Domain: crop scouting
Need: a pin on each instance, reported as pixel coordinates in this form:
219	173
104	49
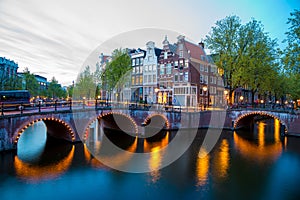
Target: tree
55	90
223	41
291	57
13	83
258	68
113	75
31	83
85	85
245	53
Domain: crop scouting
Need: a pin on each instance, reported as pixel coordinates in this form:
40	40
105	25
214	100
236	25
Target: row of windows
137	70
181	77
150	79
150	68
137	80
185	90
137	61
205	68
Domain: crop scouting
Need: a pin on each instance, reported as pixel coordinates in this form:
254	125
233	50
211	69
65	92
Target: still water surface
256	164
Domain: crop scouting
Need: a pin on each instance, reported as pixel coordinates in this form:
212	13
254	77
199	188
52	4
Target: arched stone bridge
72	125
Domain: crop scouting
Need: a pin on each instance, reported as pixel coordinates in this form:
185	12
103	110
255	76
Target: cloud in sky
55	37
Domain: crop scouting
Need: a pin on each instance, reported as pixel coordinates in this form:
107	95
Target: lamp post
205	89
241	100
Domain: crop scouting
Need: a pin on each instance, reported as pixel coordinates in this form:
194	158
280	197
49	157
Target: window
162	69
186	63
194	90
169	68
149	78
145	79
141	61
201	78
133	70
154	67
201	68
180	54
181	63
141	80
186	76
136	80
176	77
180	77
205	68
176	64
133	62
137	62
150	68
165	55
205	79
150	58
154	78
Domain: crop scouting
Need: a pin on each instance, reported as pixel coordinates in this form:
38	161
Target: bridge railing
69	106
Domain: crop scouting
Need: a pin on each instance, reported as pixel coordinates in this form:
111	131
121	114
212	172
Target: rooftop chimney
201	44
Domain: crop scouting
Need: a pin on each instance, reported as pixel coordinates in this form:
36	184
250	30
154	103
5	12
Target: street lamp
241	99
205	89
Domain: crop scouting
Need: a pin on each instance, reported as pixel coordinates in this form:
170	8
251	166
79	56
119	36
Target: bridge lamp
241	98
98	96
205	90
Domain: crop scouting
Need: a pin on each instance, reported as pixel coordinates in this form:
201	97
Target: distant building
168	61
137	59
150	72
8	70
42	81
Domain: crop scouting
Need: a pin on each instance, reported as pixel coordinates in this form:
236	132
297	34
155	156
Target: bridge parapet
76	122
290	122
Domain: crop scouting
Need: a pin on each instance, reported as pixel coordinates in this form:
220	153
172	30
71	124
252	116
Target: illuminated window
165	97
159	98
186	63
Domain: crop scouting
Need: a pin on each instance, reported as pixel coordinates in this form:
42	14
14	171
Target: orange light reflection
32	173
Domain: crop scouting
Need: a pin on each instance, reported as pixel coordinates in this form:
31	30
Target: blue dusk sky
54	38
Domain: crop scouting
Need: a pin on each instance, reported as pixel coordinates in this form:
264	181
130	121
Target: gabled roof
157	51
196	51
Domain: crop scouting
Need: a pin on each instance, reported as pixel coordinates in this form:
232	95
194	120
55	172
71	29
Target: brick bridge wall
73	125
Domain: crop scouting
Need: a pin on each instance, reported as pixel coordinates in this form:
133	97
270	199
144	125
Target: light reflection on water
241	164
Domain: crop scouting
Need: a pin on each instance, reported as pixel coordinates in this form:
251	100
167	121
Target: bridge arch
106	116
49	121
242	119
147	121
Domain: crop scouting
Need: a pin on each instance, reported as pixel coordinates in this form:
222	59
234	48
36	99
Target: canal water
255	164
